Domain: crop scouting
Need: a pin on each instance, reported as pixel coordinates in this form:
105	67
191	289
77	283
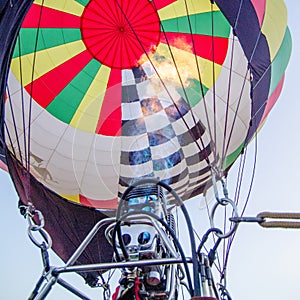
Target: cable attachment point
279	220
258	220
224	293
39	216
209	289
45	256
225	202
36	223
205	237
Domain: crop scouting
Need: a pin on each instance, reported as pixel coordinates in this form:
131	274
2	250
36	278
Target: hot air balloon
107	103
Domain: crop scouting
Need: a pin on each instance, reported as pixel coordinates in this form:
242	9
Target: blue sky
264	263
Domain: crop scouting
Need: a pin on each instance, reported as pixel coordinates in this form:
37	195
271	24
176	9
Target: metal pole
87	240
46	288
72	289
112	265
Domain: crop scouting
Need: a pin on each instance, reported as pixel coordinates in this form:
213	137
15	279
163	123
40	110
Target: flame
170	65
181	43
168	69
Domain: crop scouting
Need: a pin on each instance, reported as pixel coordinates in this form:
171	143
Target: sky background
264	263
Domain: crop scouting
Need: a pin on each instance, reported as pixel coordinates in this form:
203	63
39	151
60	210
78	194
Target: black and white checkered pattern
156	141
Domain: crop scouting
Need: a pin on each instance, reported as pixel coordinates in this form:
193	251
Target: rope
281	222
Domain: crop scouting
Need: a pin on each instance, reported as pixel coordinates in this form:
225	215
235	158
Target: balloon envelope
105	92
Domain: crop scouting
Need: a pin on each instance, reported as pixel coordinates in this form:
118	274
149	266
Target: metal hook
224	202
32	225
47	243
205	237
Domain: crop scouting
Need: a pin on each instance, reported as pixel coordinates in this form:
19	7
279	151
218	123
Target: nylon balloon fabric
113	91
11	17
